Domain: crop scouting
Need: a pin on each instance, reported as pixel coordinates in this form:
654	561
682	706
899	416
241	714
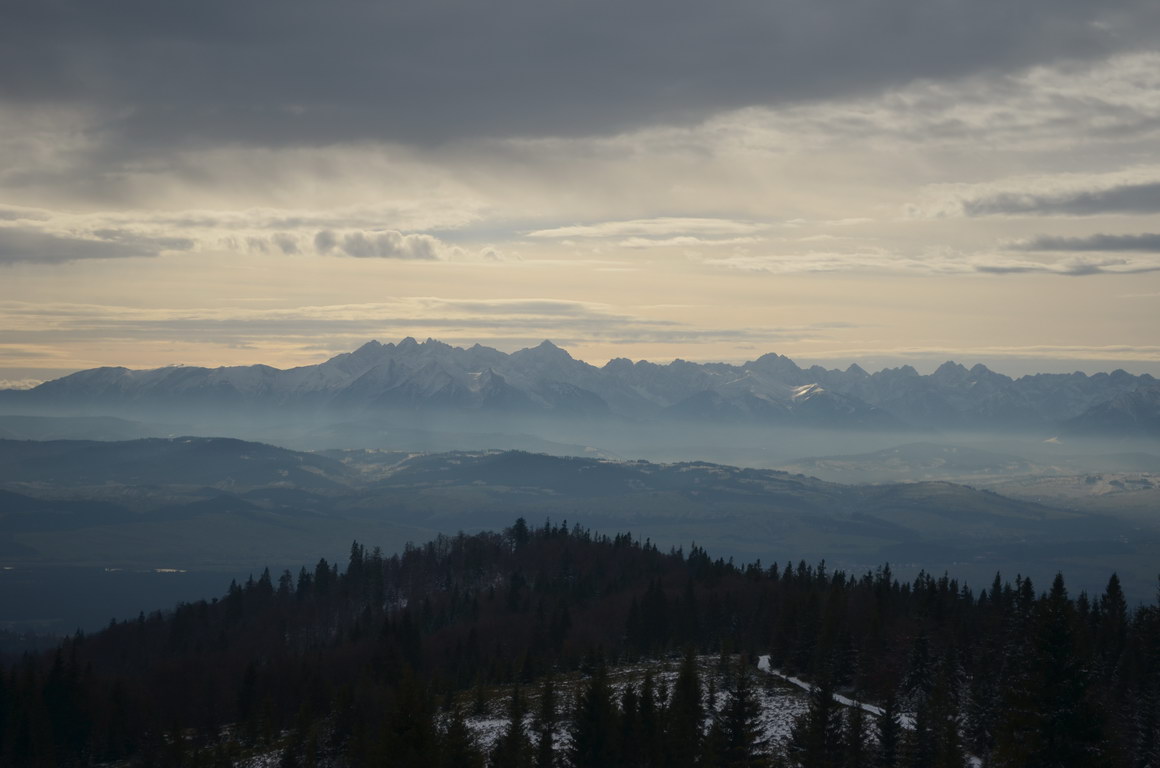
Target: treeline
353	665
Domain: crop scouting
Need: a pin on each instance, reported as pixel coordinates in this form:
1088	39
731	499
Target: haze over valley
405	441
523	384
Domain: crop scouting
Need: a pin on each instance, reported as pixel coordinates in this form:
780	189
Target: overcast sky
879	181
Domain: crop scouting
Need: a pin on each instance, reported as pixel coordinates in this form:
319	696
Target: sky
838	181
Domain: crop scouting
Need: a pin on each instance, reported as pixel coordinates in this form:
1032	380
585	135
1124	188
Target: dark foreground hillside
373	663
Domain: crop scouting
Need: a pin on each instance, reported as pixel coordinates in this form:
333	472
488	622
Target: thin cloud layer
493	321
21	244
931	264
658	227
1070	268
1145	243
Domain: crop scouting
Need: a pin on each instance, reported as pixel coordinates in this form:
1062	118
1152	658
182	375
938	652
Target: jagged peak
857	370
949	367
980	371
774	361
370	350
545	349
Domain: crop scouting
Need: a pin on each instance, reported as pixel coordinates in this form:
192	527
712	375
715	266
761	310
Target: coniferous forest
375	662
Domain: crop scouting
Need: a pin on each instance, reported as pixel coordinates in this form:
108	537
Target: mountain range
546	382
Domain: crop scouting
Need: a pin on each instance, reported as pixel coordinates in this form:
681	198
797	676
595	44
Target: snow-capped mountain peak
545	378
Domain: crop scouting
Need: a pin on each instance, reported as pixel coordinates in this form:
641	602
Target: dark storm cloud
1146	243
19	244
1128	198
304	72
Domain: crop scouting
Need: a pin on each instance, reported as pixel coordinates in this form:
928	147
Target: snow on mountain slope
545	379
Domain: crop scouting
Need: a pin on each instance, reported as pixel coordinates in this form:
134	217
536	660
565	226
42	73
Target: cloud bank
21	244
309	73
379	245
1145	243
1129	199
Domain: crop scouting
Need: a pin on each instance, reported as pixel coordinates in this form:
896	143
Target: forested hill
351	666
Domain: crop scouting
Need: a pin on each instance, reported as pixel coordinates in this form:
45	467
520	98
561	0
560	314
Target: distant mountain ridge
546	381
198	503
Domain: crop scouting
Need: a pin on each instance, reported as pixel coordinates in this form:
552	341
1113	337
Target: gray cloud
390	245
1145	243
302	72
387	244
1075	268
286	243
13	213
1128	198
20	244
325	241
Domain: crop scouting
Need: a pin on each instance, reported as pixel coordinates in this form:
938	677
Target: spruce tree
741	721
594	724
816	738
918	743
651	727
686	714
889	734
1047	717
855	747
713	745
630	745
1070	729
546	719
1113	629
945	718
459	749
410	735
513	750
